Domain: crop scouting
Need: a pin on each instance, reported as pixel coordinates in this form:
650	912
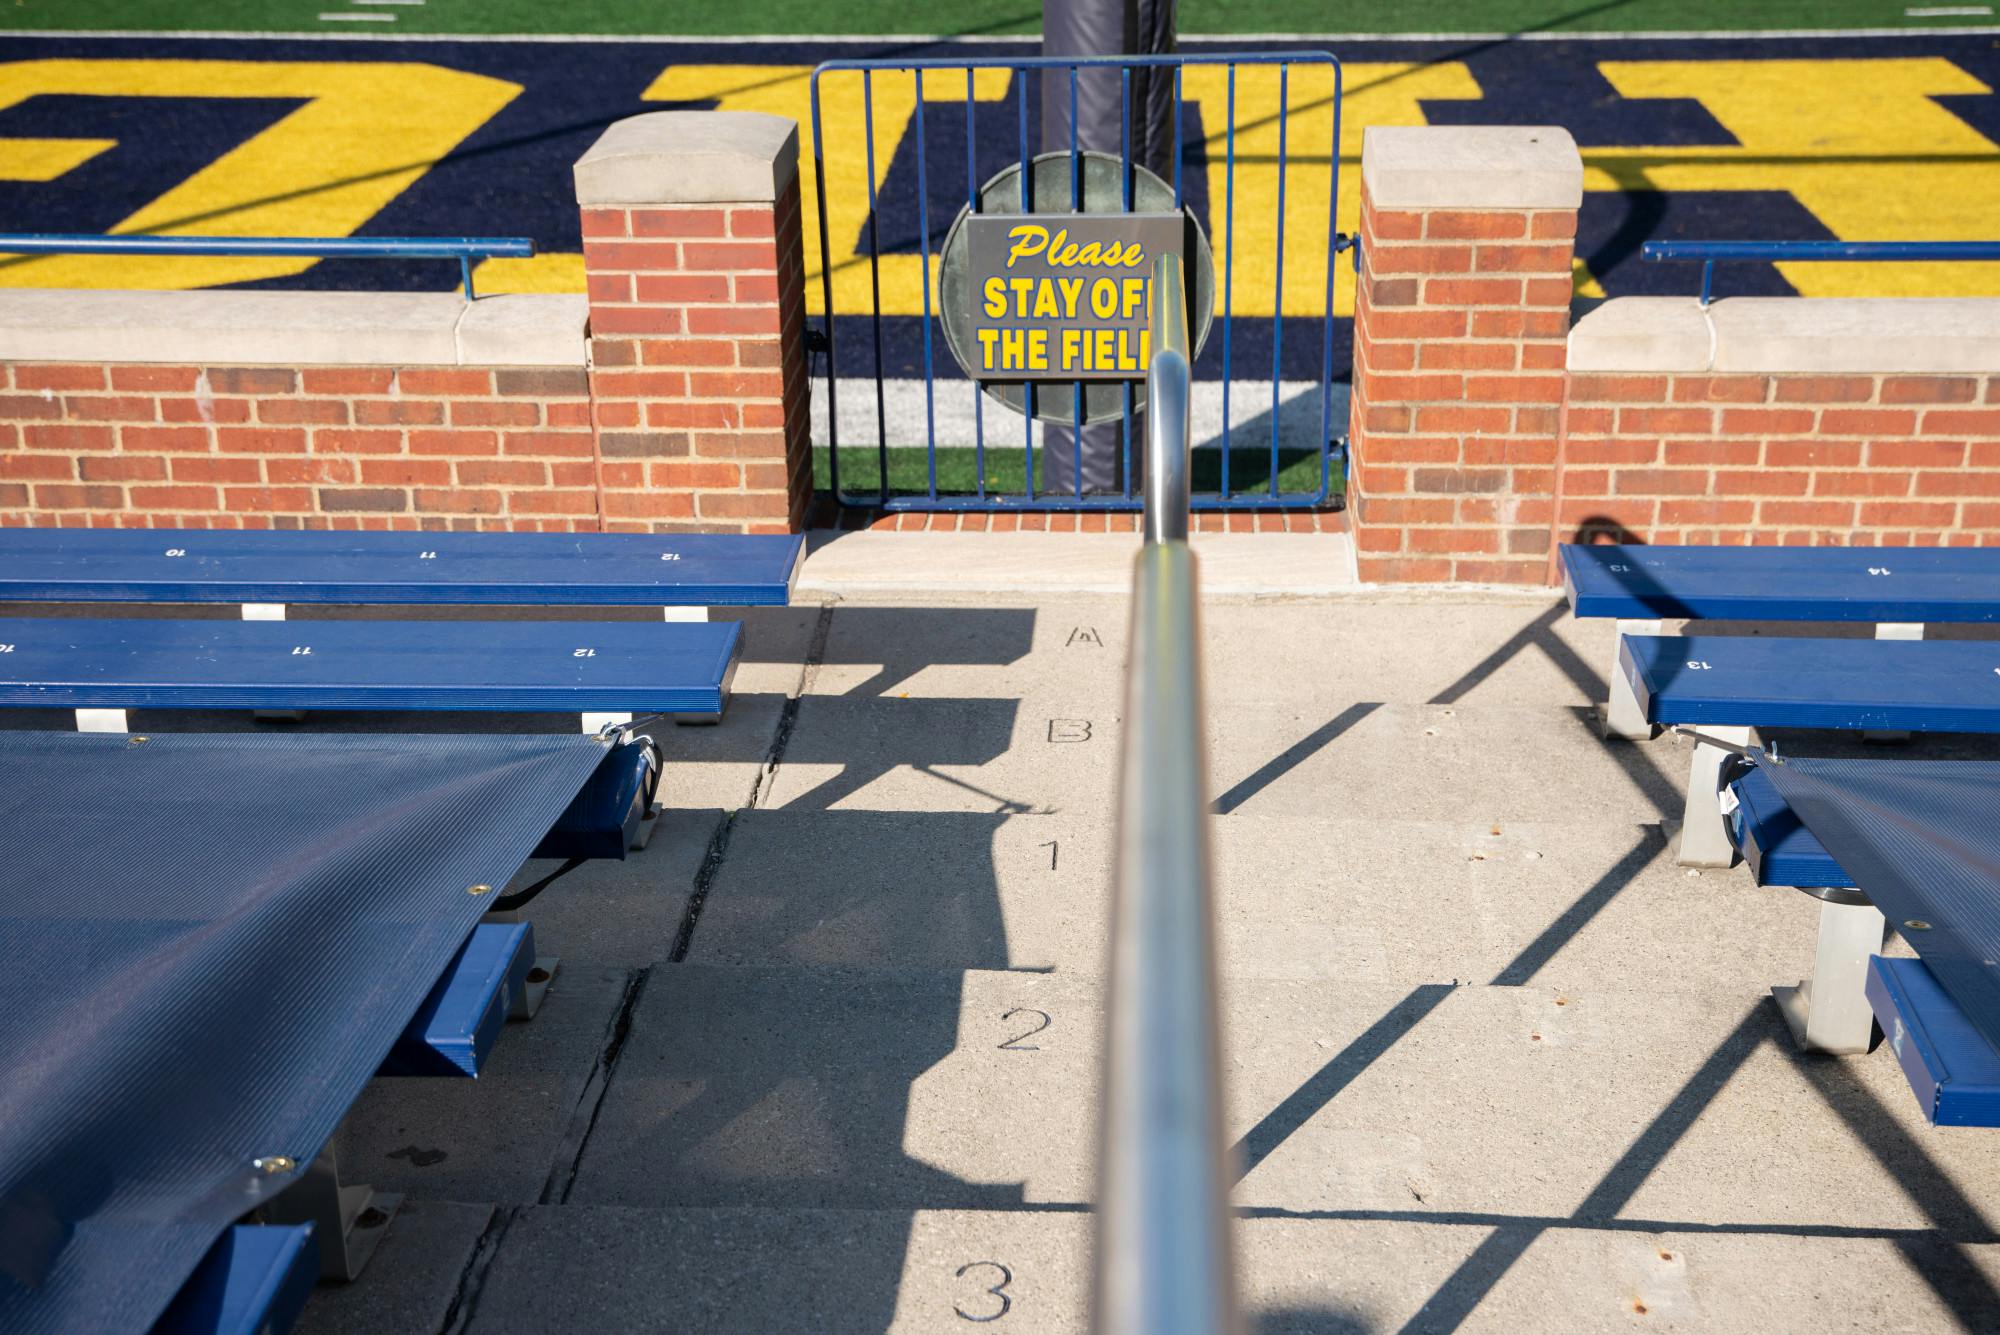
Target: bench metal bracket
1624	716
348	1221
1829	1011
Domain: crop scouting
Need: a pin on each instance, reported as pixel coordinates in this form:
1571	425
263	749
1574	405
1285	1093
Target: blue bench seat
1897	589
630	667
1953	1070
1775	843
292	566
255	1280
1871	584
1755	681
455	1029
1729	685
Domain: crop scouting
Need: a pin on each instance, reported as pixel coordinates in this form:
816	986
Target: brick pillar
1460	321
691	244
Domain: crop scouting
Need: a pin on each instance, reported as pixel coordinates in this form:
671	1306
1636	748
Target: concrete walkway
824	1058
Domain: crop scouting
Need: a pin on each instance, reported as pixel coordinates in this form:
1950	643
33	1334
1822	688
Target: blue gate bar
1709	252
1126	498
464	249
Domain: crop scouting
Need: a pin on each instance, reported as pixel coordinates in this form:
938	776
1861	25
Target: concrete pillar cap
1471	167
690	157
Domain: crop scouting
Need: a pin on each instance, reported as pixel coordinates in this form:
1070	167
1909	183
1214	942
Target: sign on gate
1063	296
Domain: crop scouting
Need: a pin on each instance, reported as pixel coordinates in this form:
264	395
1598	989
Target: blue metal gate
984	476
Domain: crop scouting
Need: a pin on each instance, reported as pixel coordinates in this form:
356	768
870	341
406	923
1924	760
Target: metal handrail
464	249
1709	252
1163	1243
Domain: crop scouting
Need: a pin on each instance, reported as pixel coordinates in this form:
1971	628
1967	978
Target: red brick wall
313	447
1459	327
1806	459
697	316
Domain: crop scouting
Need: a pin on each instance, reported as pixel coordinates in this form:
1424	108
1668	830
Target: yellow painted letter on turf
785	90
1861	143
1372	94
367	131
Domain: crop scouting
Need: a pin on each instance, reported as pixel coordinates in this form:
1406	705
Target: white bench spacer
101	720
263	611
684	613
596	723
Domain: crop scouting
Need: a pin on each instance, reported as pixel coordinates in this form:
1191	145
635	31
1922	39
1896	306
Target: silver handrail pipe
1163	1235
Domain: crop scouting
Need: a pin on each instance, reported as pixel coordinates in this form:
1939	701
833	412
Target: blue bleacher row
257	1276
1725	688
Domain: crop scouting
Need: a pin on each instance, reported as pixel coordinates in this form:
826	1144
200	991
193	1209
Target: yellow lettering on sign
1374	94
785	90
1028	240
366	132
1860	143
1072	288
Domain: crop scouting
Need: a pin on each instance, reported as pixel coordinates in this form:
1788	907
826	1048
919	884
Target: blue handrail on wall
464	249
1708	252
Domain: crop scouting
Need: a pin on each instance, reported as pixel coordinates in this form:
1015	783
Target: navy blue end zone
555	666
1927	584
262	566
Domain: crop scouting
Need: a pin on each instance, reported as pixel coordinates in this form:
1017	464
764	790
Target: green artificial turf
958	472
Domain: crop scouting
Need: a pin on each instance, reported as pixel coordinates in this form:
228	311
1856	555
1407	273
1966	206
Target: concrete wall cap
1471	167
1864	334
1791	336
524	329
290	328
1642	334
690	157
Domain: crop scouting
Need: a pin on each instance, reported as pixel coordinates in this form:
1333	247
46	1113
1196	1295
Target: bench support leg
347	1221
524	1004
1704	831
101	720
1829	1011
1624	716
1893	630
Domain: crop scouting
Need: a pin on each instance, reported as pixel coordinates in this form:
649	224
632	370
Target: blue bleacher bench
1878	584
1897	589
128	663
1952	1069
455	1029
1729	685
1775	843
1755	681
293	566
255	1280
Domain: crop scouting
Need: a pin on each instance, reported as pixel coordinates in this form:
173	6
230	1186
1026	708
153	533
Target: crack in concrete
465	1297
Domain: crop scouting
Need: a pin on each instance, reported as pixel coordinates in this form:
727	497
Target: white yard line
1950	12
952	405
357	18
